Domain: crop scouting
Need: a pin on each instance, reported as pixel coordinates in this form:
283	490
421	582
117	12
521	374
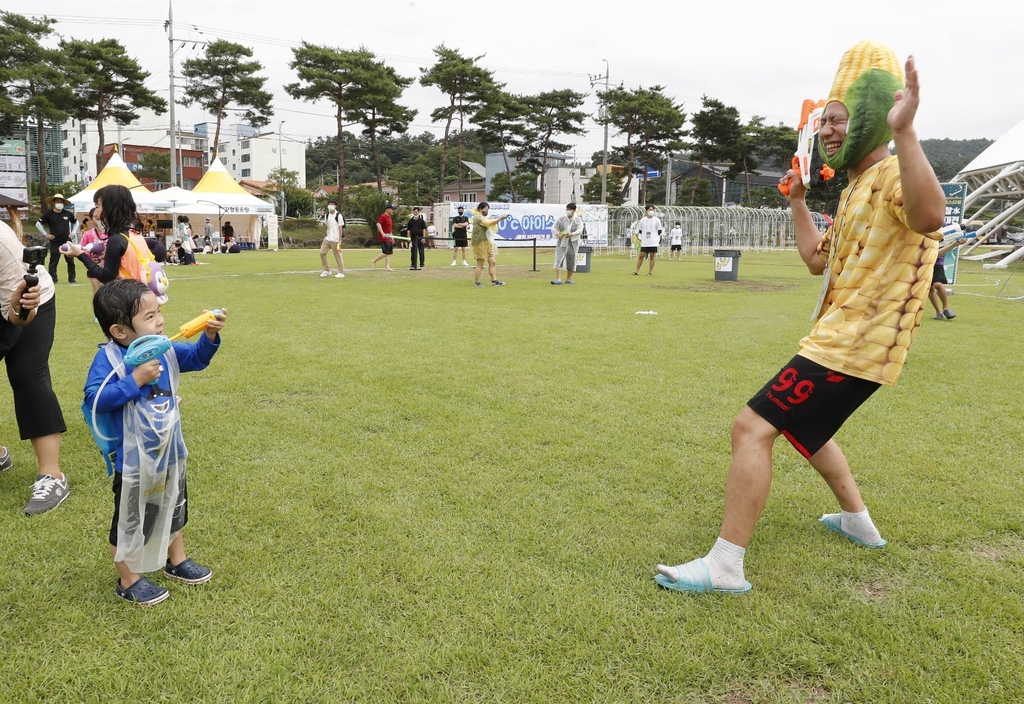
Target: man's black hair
118	208
482	205
332	201
118	302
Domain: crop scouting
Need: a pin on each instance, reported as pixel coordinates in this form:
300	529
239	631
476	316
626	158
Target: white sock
724	562
859	525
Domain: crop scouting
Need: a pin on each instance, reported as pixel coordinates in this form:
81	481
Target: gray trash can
727	264
583	259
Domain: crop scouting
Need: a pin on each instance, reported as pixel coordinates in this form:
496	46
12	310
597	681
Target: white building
81	141
254	157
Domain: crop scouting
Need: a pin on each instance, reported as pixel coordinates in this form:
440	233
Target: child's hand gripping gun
150	347
807	162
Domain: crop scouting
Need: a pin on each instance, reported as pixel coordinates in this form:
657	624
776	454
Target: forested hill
948	156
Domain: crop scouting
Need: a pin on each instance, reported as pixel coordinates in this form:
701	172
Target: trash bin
583	259
727	264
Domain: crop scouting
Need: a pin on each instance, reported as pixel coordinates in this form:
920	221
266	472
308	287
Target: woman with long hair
115	208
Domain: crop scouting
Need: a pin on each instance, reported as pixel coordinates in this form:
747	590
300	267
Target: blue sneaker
478	284
556	282
188	572
143	592
571	282
497	283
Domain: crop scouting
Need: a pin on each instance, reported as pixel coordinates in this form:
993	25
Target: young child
133	413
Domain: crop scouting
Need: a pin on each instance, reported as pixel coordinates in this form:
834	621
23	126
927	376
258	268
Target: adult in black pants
25	348
417	228
60	221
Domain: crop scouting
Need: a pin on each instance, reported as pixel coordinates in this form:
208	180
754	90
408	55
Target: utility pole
175	167
604	154
280	170
668	181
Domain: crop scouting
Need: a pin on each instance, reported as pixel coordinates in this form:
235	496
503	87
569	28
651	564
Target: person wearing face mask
335	224
567	229
62	226
649	230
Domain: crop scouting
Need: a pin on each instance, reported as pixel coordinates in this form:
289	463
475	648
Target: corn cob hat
868	77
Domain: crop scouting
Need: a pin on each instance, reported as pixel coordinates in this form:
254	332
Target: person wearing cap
567	229
417	228
460	233
387	241
484	248
62	225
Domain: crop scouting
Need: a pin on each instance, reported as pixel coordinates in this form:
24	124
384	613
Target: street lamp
280	170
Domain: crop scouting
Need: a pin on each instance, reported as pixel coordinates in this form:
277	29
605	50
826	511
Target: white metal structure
997	174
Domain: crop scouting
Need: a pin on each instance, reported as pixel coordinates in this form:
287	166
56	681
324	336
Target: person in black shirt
417	228
62	225
229	231
460	233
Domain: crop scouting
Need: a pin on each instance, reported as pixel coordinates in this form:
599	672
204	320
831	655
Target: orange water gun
807	161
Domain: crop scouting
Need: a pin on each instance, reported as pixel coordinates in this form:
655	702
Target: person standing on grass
568	230
676	242
417	228
62	225
884	233
133	413
386	239
25	345
939	281
335	224
485	230
460	235
649	230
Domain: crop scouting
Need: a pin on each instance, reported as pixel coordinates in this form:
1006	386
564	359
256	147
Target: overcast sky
762	57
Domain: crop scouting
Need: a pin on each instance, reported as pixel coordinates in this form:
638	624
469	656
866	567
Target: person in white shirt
567	230
335	224
676	238
649	230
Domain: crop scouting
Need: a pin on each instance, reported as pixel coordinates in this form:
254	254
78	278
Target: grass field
413	490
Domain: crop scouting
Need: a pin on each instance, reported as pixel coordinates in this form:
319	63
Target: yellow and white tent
116	173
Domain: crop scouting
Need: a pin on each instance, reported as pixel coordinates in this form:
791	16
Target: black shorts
939	274
808	403
677	248
464	242
387	247
649	250
178	520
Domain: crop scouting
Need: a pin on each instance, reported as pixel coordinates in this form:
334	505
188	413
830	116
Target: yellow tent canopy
218	180
115	173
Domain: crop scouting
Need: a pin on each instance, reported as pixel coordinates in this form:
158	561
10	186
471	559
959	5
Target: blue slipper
142	592
833	521
695	577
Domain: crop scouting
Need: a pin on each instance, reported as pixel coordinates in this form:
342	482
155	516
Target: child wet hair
118	302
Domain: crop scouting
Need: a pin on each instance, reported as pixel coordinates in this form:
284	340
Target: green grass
413	490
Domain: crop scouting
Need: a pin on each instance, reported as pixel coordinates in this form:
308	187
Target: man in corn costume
877	260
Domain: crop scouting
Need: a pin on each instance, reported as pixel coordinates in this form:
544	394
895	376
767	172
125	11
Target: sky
761	57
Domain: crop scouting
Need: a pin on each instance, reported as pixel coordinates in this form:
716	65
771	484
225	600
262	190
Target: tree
700	190
376	108
283	180
222	78
156	166
109	84
716	128
502	127
334	74
550	115
776	146
616	195
517	187
745	153
34	79
651	123
466	85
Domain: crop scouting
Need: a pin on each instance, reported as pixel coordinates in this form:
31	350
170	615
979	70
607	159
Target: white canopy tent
116	173
997	174
219	198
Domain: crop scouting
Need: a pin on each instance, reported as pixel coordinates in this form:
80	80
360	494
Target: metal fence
705	229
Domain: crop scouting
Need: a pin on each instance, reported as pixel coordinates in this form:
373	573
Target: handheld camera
34	257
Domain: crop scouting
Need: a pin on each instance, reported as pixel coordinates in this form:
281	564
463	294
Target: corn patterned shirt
881	272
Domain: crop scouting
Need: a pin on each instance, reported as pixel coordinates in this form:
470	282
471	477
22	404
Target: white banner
13	179
528	220
15	193
272	231
12	163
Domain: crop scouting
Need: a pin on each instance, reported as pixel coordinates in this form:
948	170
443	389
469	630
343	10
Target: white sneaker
453	262
324	274
465	263
339	275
